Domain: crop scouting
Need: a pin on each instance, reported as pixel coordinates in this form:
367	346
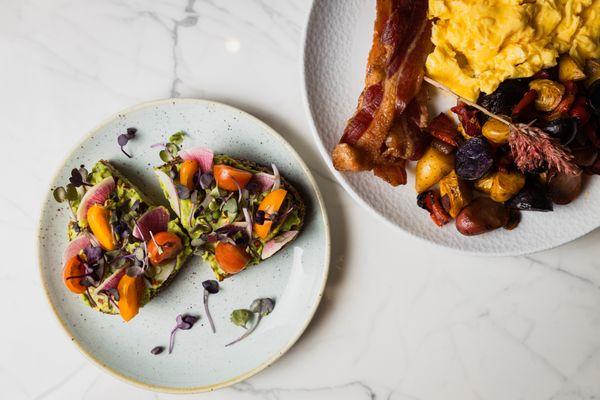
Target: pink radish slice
170	191
264	180
154	220
112	281
75	246
275	244
203	155
97	194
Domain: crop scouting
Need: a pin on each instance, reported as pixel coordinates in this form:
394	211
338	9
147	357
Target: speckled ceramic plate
337	41
295	277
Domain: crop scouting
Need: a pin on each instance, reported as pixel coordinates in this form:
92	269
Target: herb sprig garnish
124	138
210	287
69	193
259	307
172	147
184	322
531	147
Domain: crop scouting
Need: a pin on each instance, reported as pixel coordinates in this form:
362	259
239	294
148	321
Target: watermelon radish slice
264	180
75	246
275	244
154	220
171	192
112	281
97	194
202	155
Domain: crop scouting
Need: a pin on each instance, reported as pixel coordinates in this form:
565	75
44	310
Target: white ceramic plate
337	41
295	277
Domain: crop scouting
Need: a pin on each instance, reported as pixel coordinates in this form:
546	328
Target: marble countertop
400	319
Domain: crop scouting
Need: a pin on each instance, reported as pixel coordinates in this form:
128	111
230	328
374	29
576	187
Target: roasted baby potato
505	185
432	167
480	216
495	131
549	94
456	192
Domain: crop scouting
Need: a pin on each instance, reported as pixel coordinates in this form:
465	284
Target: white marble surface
400	319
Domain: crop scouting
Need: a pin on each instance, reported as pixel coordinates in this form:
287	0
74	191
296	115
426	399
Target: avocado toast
123	250
237	212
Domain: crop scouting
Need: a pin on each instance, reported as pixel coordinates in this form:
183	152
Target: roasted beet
481	215
505	97
531	198
473	159
563	129
563	188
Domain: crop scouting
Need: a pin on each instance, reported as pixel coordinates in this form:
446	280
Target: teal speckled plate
294	277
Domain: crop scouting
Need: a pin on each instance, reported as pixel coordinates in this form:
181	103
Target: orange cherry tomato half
99	220
74	268
270	204
187	171
229	178
131	290
231	258
165	246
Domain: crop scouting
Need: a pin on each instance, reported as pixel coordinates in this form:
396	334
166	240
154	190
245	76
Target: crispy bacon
468	119
443	128
385	127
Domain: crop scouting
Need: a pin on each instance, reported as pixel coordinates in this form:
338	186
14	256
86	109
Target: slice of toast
133	222
212	214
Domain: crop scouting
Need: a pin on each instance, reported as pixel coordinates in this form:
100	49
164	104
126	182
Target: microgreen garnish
69	193
182	191
241	317
157	350
124	138
210	287
78	178
261	307
172	147
205	180
184	322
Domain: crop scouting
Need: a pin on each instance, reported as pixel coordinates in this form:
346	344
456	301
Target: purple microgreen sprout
89	297
124	138
210	287
182	191
248	218
77	179
261	307
184	322
205	180
157	350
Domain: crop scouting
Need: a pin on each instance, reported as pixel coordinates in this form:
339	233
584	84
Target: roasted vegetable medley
525	147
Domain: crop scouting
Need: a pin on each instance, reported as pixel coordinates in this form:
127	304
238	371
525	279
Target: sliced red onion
202	155
75	246
248	221
97	194
277	181
170	189
154	220
275	244
112	282
265	181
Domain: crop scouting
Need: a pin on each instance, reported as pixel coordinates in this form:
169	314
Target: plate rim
358	199
284	349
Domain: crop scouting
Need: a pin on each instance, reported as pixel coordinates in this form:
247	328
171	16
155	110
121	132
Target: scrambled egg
480	43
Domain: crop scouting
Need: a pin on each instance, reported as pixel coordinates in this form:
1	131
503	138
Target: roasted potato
432	167
457	192
506	184
480	216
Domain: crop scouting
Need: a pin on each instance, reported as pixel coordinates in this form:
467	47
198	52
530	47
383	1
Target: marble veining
400	319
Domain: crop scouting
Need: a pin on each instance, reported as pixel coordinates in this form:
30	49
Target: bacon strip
401	43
